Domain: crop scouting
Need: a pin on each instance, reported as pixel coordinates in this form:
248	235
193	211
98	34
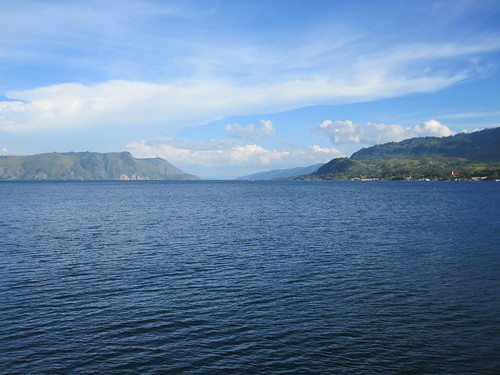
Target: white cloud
73	105
208	155
255	155
4	150
252	132
344	132
432	128
315	149
340	131
381	133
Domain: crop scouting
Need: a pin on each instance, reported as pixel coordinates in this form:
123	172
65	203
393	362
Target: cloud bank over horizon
217	153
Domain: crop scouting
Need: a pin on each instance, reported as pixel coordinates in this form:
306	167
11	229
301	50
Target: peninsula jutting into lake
465	156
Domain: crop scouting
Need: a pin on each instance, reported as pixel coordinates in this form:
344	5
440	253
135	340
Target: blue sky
224	88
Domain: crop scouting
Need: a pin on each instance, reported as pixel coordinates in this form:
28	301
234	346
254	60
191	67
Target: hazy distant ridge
281	173
88	166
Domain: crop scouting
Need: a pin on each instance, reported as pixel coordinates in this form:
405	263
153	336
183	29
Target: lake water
298	277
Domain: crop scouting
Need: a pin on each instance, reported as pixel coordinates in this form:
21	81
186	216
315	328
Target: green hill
88	166
463	156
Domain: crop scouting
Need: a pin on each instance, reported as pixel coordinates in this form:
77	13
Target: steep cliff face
88	166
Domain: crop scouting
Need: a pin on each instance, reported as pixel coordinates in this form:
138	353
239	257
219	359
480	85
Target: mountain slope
88	166
483	145
463	156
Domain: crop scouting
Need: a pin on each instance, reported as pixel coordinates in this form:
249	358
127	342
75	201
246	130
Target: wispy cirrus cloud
213	72
225	89
463	115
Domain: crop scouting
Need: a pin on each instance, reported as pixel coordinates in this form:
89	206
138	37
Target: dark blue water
249	278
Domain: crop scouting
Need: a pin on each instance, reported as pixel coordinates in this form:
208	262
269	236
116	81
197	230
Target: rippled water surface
249	278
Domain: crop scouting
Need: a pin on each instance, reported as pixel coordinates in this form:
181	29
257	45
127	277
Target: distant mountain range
281	173
463	156
88	166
